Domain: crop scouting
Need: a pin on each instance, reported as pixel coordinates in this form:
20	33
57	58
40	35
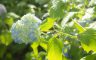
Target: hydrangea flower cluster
26	30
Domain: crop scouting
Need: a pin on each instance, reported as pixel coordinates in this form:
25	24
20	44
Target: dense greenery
48	30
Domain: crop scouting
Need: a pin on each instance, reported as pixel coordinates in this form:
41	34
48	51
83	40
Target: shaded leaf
57	9
89	57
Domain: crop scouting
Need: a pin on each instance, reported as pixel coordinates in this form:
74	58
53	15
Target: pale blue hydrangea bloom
26	30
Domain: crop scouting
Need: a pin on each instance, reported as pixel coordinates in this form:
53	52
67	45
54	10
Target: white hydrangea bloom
26	30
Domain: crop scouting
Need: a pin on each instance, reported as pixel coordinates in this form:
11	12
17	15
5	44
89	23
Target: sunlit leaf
66	18
13	15
35	48
47	24
5	38
79	27
88	40
44	45
9	21
55	49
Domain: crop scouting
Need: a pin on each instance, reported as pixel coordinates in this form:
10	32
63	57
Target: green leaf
5	38
41	2
35	48
43	45
66	18
9	21
42	55
88	40
47	24
29	56
55	49
2	50
75	51
69	30
13	15
89	57
57	9
79	27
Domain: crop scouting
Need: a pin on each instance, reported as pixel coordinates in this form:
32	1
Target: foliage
48	30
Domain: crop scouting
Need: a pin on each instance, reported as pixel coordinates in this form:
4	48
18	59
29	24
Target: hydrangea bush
26	30
63	36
